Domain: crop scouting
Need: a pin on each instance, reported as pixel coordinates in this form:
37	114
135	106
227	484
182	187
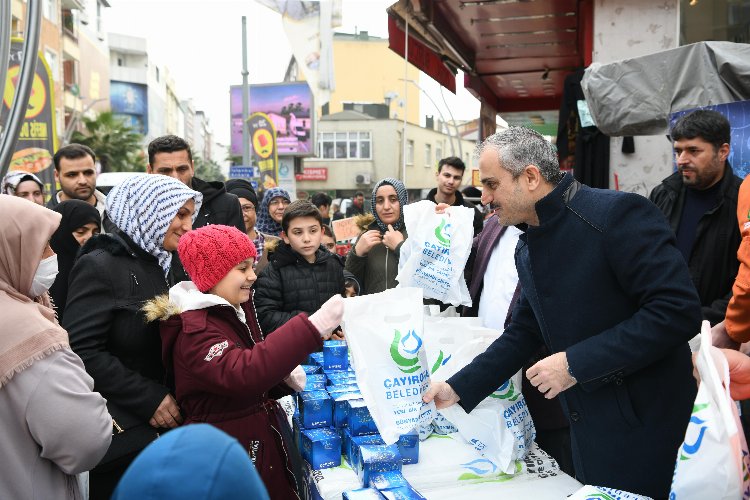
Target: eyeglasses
248	208
279	201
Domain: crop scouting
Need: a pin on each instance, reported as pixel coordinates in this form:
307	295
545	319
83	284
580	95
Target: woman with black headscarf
80	221
373	259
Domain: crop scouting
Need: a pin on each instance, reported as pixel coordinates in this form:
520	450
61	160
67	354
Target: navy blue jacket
603	280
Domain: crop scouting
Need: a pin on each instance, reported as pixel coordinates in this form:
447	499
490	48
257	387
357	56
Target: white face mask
44	277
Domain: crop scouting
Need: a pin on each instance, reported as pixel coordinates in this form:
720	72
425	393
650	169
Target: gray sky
201	44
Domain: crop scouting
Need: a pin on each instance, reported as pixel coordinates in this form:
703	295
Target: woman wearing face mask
24	185
54	426
80	221
112	278
373	259
275	201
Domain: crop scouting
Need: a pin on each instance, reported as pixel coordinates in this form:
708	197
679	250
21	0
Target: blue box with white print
315	409
321	448
359	420
374	458
335	355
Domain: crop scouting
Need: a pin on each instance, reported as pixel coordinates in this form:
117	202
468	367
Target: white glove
297	379
328	316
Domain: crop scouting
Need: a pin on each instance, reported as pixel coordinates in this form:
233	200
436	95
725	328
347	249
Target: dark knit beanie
210	252
242	189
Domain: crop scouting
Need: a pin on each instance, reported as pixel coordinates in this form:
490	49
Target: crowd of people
173	301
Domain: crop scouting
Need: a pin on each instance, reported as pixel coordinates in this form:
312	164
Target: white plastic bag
385	336
434	255
500	427
712	462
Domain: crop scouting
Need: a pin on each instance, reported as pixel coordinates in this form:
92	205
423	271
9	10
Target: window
409	152
49	10
156	69
344	145
438	152
120	61
428	155
53	62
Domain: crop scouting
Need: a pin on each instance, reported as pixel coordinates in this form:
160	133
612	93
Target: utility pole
25	80
245	99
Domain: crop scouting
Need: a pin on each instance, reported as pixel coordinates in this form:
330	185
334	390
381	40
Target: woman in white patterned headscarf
112	278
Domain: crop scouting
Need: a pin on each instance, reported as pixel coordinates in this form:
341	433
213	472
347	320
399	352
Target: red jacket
223	372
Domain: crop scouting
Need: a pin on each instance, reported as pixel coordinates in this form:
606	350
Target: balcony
127	74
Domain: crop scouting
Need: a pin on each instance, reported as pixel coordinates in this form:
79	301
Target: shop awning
515	54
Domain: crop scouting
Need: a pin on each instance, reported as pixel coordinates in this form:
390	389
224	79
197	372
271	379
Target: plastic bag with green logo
500	427
434	255
384	332
712	462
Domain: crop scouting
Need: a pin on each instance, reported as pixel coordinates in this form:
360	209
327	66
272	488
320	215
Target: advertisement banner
130	102
37	138
263	140
288	105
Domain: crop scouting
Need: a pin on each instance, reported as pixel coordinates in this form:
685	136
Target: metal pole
245	99
26	79
4	42
406	98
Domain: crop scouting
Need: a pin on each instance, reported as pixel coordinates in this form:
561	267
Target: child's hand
338	334
297	379
328	316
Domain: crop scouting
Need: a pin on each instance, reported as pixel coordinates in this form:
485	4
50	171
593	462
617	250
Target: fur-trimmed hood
365	222
182	297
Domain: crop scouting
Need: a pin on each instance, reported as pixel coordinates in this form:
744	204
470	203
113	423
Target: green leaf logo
506	391
410	344
442	234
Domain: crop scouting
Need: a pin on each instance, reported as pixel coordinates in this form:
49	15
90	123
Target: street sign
240	172
254	184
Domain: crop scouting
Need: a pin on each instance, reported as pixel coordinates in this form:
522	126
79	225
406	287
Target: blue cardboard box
315	382
311	369
408	446
392	479
362	494
335	355
374	458
296	430
315	409
321	448
355	442
315	359
341	407
359	420
401	493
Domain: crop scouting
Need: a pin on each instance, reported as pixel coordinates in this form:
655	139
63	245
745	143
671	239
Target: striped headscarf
264	223
143	207
403	200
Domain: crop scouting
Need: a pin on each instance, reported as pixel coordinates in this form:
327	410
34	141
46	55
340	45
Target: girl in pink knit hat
226	372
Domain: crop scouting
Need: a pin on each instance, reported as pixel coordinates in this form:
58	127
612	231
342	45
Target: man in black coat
700	203
449	175
615	310
170	155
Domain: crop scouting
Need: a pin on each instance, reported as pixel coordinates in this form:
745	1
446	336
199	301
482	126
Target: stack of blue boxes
332	419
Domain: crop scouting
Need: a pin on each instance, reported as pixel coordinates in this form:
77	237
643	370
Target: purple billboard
288	105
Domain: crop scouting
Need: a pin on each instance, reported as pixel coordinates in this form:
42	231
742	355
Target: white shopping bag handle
708	361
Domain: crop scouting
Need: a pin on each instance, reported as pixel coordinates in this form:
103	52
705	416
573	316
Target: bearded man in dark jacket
616	312
700	203
170	155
